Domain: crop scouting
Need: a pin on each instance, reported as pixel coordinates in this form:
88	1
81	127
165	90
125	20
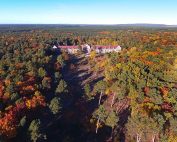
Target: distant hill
30	27
146	25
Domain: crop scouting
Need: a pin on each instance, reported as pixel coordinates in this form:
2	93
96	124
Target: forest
50	95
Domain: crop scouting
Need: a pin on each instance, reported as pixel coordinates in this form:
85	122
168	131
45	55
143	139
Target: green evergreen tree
35	131
55	105
62	87
42	72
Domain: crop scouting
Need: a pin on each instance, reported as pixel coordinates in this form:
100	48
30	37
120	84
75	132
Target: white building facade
86	48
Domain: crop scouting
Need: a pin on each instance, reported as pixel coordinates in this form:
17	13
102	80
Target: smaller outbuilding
86	48
107	49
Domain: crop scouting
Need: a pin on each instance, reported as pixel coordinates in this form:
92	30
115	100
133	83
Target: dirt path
68	124
75	117
82	72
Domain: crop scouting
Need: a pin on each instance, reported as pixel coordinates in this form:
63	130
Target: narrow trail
73	114
75	117
77	78
82	73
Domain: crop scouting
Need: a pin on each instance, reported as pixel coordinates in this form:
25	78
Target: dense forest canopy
49	95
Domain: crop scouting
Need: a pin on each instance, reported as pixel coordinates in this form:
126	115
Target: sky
88	11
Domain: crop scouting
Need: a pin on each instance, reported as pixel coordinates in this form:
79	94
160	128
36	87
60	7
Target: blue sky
88	11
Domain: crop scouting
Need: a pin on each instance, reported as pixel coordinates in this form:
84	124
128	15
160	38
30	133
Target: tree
46	83
41	72
142	127
35	131
23	121
55	105
14	97
100	115
134	128
173	130
116	92
87	91
10	88
112	120
57	75
92	55
100	87
62	87
61	61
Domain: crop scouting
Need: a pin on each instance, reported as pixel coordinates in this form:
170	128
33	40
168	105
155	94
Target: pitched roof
103	46
64	47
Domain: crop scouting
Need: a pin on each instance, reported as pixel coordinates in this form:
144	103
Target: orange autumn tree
10	119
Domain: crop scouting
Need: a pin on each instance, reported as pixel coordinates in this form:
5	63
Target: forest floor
82	71
78	112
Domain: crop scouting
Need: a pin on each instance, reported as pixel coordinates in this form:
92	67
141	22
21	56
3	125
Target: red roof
103	46
97	46
68	46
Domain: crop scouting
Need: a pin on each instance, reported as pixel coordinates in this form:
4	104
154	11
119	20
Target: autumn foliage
10	119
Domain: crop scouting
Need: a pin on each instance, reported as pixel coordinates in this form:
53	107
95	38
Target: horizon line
87	24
